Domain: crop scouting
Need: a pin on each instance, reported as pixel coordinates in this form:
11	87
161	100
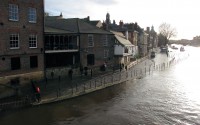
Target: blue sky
180	14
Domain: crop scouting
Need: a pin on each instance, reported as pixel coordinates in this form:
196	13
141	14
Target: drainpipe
44	56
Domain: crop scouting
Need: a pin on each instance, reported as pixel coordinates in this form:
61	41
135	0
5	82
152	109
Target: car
153	54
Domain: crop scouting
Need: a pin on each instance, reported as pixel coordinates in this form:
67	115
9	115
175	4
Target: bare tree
167	31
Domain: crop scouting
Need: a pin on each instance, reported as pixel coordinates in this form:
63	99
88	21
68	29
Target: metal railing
107	80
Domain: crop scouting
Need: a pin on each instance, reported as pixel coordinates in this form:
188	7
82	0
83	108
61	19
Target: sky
183	15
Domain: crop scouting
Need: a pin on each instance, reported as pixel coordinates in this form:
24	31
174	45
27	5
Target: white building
123	49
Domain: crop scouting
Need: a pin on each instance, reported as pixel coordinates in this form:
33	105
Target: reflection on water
165	97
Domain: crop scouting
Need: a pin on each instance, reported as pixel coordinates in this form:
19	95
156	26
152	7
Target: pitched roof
94	22
73	25
123	41
51	30
118	33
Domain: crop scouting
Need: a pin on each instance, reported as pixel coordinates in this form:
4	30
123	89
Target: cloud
105	2
69	8
77	8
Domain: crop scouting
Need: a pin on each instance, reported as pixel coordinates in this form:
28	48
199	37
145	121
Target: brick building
73	43
21	40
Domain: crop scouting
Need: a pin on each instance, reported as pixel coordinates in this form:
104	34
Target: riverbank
60	89
57	89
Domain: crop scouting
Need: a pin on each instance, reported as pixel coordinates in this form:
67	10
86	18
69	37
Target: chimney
114	22
121	23
88	18
60	17
135	26
148	29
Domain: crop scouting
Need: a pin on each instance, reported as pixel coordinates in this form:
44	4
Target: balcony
59	44
61	48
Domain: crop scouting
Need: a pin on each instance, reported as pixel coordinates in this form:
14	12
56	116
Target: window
14	41
32	41
126	50
15	63
90	41
13	12
106	53
32	16
90	59
33	61
105	40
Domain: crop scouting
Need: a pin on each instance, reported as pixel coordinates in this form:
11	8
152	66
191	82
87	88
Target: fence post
120	76
95	84
136	72
149	70
104	81
76	87
131	73
112	78
72	90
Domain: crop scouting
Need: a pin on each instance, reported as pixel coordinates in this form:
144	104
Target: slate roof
93	22
72	25
51	30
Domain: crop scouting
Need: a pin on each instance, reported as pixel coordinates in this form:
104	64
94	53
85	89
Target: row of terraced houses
33	45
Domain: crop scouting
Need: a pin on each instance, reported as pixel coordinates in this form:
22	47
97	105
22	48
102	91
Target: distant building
142	43
123	49
128	30
21	40
152	39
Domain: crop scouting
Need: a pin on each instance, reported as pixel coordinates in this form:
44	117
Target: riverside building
21	40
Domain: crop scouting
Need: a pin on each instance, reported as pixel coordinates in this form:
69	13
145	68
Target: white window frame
13	12
90	40
32	15
105	40
14	41
32	41
106	53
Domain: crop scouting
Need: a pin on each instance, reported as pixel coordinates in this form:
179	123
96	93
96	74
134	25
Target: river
167	97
